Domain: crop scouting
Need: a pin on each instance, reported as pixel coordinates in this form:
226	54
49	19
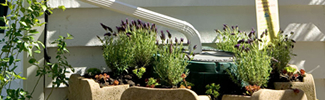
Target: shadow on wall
317	2
305	32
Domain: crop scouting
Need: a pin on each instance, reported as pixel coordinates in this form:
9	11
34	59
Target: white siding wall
305	17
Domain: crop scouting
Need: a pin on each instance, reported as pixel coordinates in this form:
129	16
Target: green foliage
228	38
93	71
212	90
139	71
170	62
290	69
253	64
133	46
151	82
281	51
18	38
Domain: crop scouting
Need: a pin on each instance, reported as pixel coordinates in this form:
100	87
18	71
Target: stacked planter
87	89
308	86
267	94
143	93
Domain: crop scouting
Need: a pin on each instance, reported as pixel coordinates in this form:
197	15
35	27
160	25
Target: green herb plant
18	38
93	71
170	62
228	37
139	72
281	51
152	82
212	90
253	64
131	47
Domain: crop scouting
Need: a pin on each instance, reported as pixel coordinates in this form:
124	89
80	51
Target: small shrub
213	90
139	72
133	45
151	82
229	37
281	51
93	71
170	62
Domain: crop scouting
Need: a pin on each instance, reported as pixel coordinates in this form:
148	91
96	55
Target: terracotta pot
143	93
267	94
87	89
308	86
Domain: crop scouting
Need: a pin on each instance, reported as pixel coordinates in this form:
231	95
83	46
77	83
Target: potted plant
128	50
284	75
253	62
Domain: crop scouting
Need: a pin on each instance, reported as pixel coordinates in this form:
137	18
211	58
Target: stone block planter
308	86
267	94
143	93
87	89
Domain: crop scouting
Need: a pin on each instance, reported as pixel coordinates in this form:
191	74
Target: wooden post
267	15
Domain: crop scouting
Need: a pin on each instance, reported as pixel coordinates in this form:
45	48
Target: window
3	12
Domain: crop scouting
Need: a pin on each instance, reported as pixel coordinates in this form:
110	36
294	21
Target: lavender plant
253	64
133	45
229	37
281	51
170	62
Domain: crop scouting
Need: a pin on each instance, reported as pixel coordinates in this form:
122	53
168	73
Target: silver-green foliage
170	62
228	37
253	66
281	50
133	46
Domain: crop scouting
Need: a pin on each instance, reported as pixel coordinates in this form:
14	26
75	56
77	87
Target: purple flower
259	40
127	21
232	34
123	23
225	26
237	45
249	41
106	27
153	26
182	39
265	31
247	49
169	35
138	26
241	41
115	34
176	41
217	30
243	47
194	47
162	37
262	35
133	23
139	21
128	34
120	29
107	34
236	26
188	41
233	27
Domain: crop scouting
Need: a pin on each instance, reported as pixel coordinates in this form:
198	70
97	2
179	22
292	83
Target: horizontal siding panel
166	3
